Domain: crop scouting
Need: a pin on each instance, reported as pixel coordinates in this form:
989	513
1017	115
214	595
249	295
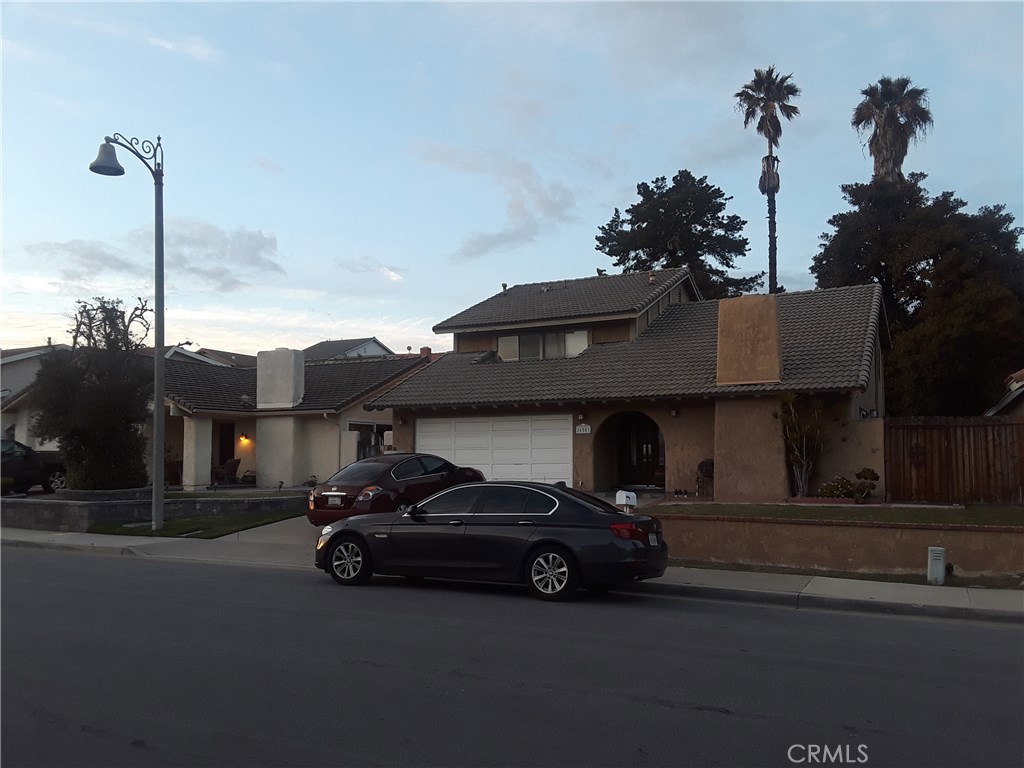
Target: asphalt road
116	661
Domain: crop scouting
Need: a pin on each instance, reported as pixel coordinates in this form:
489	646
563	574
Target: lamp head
106	163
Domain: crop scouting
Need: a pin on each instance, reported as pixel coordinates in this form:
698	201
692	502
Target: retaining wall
83	509
848	547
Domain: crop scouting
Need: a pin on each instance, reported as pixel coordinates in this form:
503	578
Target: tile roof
627	293
827	336
329	385
236	359
327	350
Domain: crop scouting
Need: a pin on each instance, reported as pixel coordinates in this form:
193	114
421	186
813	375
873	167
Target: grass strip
972	514
199	527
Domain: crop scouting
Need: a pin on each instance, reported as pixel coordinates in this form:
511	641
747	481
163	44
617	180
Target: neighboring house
334	350
18	368
286	419
234	359
1011	403
630	381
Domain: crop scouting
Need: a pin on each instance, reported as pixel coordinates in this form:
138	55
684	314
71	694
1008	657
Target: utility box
936	565
626	500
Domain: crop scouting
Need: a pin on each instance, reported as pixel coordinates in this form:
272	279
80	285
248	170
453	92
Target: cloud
531	203
195	47
214	259
268	165
83	260
370	264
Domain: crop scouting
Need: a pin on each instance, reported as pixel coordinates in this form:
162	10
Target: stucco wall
474	342
850	445
750	456
616	330
845	547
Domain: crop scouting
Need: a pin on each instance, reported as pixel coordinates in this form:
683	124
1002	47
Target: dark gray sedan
550	537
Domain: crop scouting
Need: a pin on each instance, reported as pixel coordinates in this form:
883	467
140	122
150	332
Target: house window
530	346
575	342
508	347
553	345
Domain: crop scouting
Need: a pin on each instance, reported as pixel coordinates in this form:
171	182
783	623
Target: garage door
503	447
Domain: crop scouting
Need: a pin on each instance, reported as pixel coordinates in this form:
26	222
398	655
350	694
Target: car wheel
552	574
55	481
349	561
403	506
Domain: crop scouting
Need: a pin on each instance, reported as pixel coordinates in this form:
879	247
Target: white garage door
503	447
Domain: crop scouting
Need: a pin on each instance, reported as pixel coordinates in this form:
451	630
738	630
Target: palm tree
765	98
895	113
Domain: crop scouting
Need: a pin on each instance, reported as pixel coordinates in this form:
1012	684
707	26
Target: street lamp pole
106	164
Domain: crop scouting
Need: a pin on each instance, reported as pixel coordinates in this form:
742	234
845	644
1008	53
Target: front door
641	452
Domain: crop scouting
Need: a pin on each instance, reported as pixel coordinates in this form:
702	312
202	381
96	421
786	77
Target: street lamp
106	164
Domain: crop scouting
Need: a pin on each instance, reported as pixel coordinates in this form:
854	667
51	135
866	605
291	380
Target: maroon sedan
386	483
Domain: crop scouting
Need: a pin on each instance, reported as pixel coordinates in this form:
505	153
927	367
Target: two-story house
631	380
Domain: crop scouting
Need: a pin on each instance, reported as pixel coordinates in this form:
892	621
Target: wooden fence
955	460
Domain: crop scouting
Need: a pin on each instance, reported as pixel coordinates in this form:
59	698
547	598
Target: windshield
359	473
592	502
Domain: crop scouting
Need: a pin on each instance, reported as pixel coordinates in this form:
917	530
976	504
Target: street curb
92	548
821	602
703	592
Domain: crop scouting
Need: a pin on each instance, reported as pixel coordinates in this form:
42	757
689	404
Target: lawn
202	527
972	514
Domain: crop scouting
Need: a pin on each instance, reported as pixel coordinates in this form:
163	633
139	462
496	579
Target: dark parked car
550	537
22	467
385	483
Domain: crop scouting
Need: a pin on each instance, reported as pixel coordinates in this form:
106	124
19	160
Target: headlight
327	531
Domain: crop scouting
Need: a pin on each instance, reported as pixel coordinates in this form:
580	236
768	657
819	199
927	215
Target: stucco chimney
280	379
424	351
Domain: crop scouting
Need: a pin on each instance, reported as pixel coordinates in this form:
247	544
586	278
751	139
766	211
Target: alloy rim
348	560
549	573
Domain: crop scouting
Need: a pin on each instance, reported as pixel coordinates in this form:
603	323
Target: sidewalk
289	544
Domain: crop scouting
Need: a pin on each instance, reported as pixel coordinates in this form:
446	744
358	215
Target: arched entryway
629	452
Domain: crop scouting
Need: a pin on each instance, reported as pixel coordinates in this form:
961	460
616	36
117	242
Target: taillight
369	492
629	531
310	500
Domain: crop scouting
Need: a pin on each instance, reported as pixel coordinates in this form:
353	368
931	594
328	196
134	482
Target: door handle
526	522
455	523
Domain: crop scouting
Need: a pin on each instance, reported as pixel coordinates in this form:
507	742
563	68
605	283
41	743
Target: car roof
393	458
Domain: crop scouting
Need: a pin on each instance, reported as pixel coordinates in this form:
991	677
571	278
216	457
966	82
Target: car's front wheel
552	573
57	480
349	562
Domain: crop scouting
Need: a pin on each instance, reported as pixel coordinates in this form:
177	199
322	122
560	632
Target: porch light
243	438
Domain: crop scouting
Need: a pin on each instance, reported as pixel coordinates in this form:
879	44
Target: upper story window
542	346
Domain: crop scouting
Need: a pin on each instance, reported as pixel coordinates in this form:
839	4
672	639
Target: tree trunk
773	284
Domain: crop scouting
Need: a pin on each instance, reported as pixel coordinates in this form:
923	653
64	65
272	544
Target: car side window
538	503
458	501
434	464
503	500
408	469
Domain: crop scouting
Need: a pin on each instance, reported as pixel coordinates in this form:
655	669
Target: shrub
865	484
837	488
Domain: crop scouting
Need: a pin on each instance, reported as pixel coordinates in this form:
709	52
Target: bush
865	484
843	488
837	488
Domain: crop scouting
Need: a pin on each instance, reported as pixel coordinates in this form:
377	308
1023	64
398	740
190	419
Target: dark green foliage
896	114
837	488
94	398
682	225
953	288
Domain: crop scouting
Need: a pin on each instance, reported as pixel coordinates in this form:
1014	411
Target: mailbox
625	499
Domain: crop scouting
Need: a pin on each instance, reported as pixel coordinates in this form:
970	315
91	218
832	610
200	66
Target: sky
345	170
